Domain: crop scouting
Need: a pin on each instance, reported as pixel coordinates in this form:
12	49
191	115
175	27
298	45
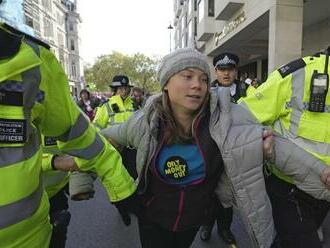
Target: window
211	8
29	21
72	45
47	5
60	18
71	26
195	5
48	28
60	38
200	10
73	69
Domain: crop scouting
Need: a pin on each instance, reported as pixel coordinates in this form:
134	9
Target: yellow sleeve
58	116
101	118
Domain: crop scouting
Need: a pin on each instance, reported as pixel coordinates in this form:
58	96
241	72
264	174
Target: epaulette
291	67
28	37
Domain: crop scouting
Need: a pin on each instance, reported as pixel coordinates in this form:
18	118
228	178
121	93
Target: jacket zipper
178	217
181	200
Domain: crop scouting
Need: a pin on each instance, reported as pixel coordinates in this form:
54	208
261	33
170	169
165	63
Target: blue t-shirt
180	164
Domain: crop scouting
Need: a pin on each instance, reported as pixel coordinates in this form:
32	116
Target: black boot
205	233
224	220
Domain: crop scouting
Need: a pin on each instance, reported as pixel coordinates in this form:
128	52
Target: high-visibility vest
113	112
282	102
35	98
250	91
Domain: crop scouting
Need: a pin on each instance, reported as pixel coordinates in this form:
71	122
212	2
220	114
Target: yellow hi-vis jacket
35	99
282	101
113	112
54	180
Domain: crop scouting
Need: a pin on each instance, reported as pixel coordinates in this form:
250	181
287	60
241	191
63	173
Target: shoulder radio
319	89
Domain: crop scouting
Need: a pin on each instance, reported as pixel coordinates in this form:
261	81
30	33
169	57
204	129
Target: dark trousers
297	215
223	216
129	161
59	218
153	235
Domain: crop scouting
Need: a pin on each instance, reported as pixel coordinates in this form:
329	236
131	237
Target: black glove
131	204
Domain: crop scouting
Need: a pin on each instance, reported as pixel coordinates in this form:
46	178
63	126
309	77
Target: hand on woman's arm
267	136
64	163
325	177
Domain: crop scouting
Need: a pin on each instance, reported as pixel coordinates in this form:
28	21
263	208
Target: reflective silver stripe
15	212
320	148
13	155
76	130
111	115
89	152
51	179
298	81
115	84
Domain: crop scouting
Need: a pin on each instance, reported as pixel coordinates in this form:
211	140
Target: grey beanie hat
179	60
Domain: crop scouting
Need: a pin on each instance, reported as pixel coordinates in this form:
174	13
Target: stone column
285	32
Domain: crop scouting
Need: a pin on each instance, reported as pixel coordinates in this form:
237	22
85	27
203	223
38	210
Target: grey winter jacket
239	139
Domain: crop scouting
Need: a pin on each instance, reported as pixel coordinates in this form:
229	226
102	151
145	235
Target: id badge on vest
13	125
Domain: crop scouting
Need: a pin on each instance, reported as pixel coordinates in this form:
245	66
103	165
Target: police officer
35	99
116	111
295	100
225	66
119	107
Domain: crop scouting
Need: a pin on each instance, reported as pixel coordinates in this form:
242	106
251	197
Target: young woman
86	104
188	140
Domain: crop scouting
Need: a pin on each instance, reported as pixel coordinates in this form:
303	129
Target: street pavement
96	224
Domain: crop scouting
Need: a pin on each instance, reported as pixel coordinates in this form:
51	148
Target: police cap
120	80
226	60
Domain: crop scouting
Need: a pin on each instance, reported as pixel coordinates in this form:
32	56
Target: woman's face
187	90
84	96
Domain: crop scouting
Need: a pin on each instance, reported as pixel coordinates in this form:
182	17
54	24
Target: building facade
57	23
265	34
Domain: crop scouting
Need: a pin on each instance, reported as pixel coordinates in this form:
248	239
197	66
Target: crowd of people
180	160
